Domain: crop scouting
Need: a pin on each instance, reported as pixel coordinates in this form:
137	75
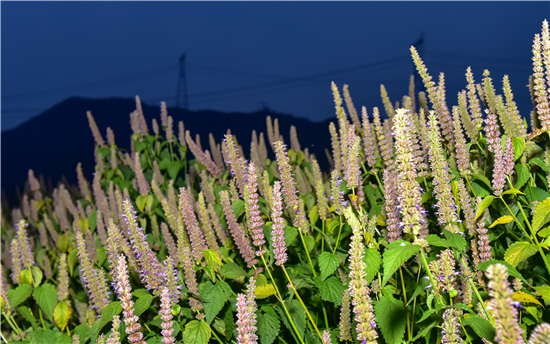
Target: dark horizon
244	56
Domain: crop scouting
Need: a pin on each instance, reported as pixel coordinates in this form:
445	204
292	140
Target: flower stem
339	232
302	302
406	308
282	301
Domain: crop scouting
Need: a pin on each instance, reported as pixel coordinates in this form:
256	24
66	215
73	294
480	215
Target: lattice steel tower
182	100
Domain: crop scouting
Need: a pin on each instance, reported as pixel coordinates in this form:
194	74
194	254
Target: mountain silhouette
54	142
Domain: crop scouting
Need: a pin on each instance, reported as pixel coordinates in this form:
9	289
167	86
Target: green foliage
401	243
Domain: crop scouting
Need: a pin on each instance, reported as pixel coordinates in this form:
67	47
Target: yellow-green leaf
265	291
540	216
502	220
484	204
544	291
140	202
526	298
213	259
518	252
62	314
512	192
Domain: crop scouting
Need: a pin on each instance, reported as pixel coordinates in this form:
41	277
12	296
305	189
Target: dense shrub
430	227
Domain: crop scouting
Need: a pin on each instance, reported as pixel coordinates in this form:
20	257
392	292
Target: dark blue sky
54	50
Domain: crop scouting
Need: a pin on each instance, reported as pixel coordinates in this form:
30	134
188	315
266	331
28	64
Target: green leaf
174	168
19	294
544	291
519	147
42	336
62	338
523	176
484	204
27	314
268	327
536	194
313	215
212	258
539	163
482	327
513	192
502	220
290	234
395	255
92	220
511	270
46	297
330	289
328	263
142	304
196	332
309	242
72	259
232	271
238	208
140	202
62	314
112	309
519	251
84	332
389	316
298	315
63	243
373	260
424	331
36	275
457	241
540	215
214	297
484	179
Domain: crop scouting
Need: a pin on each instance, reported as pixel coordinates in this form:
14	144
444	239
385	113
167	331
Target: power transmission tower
182	100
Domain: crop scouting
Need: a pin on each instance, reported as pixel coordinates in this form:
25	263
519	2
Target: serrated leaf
457	241
212	258
539	163
330	289
61	314
544	292
19	294
482	327
540	215
536	194
46	298
142	292
328	263
232	271
265	291
389	316
511	270
112	309
513	192
268	327
502	220
523	176
519	251
373	260
62	338
27	314
42	336
395	255
196	332
484	204
525	298
142	304
214	297
519	147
